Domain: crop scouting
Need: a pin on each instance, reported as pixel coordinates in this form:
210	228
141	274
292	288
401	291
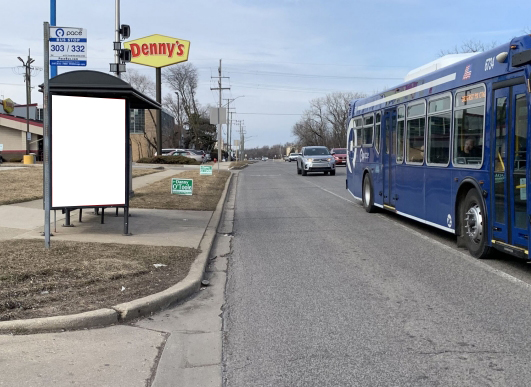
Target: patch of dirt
207	190
75	277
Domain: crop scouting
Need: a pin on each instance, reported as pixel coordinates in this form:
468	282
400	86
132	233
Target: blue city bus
449	149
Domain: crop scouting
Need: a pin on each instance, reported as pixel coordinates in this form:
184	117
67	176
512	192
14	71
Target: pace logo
60	32
449	221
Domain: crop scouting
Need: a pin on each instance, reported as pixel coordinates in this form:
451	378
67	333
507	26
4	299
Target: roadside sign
1	147
68	46
182	186
205	170
218	116
28	136
158	50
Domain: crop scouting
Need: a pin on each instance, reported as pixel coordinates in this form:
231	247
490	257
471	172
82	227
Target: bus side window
468	135
469	126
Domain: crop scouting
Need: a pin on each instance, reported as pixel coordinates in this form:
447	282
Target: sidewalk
125	355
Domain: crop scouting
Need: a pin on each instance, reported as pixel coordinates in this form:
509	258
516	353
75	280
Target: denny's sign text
158	50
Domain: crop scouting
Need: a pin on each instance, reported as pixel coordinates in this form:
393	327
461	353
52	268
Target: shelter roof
89	83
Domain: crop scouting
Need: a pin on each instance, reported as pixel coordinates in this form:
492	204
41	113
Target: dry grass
207	191
25	184
240	164
137	172
75	277
20	185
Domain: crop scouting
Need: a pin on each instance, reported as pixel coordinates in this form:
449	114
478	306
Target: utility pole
220	138
229	139
27	78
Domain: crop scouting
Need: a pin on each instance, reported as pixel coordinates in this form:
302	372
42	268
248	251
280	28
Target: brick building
144	135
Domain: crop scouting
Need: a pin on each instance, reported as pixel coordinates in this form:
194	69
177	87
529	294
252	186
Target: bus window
439	121
358	126
416	123
368	128
377	133
468	136
400	135
469	126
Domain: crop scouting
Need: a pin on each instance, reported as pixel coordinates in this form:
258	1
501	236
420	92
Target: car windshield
320	151
340	150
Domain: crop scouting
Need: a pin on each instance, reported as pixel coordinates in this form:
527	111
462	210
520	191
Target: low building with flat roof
13	131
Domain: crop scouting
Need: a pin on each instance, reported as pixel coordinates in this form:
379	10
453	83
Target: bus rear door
510	218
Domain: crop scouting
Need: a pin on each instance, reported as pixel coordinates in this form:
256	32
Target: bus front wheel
367	194
474	221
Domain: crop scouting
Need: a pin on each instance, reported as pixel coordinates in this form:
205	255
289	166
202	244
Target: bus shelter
89	155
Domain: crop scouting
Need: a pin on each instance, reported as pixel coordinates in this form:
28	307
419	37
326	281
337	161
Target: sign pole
46	132
53	13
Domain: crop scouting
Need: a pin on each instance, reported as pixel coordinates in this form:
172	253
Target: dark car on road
340	155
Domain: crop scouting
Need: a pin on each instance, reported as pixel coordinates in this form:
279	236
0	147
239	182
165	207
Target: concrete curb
133	309
94	318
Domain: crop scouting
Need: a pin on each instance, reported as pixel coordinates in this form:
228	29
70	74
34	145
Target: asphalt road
321	293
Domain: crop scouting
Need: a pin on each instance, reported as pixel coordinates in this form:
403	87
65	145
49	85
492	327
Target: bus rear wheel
367	194
474	225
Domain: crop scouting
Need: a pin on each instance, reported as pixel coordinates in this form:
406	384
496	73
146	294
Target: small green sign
205	169
182	186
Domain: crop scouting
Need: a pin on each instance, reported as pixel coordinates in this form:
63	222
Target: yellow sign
158	50
8	105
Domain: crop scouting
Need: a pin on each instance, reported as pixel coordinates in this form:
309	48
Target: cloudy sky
279	54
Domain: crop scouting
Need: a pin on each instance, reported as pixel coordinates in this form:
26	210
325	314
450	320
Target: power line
272	73
274	114
309	64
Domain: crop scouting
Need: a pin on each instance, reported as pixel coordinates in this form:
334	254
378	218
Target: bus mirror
522	58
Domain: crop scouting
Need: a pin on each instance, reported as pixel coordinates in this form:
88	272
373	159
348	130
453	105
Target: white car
188	154
293	156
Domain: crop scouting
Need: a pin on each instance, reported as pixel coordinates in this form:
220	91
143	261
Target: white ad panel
88	151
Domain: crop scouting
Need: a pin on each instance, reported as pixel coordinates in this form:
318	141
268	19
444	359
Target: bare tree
140	82
325	122
469	46
183	79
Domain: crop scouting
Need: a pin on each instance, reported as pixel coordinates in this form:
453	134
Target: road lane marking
465	256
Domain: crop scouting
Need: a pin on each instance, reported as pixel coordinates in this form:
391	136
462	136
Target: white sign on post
1	147
214	115
68	46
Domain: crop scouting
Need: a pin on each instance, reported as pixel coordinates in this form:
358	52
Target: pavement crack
154	367
149	329
460	351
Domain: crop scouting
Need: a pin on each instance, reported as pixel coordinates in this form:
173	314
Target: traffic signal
125	55
125	31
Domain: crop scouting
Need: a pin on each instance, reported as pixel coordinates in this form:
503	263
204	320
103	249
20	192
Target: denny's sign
158	50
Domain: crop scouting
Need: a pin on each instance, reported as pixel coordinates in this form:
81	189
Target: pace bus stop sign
68	46
182	186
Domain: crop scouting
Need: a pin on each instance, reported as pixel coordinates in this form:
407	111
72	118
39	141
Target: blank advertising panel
88	151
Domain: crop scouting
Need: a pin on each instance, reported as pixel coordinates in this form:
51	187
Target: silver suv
316	159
